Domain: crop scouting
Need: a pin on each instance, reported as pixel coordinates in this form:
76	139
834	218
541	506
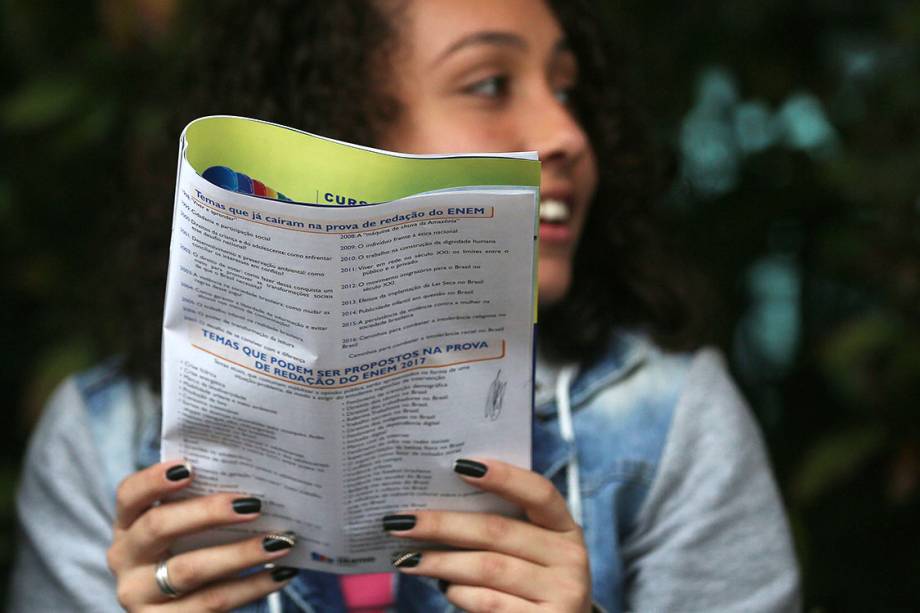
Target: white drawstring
567	431
274	602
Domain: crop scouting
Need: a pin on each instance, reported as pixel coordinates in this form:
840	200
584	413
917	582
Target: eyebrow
487	37
496	38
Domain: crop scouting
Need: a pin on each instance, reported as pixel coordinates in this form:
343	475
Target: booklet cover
341	324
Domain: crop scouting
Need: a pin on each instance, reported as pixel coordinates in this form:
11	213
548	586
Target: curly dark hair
321	67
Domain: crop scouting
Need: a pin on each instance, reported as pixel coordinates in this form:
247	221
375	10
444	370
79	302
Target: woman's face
489	76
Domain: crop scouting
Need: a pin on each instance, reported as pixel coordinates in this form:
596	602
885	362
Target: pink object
367	593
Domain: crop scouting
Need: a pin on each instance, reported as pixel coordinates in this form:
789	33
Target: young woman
657	498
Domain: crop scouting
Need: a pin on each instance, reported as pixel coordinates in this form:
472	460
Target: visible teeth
553	211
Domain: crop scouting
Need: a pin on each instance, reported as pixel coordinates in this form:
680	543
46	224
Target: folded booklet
341	324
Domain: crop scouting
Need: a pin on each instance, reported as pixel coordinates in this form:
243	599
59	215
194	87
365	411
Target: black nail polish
398	522
443	585
283	573
245	506
470	468
178	473
406	559
277	542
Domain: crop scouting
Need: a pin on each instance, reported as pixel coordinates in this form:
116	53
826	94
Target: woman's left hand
504	564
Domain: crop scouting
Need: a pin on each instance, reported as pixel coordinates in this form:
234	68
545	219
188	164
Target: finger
192	570
151	535
536	495
228	595
138	491
482	599
487	531
495	571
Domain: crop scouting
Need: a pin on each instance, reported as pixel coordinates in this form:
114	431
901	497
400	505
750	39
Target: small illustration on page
495	397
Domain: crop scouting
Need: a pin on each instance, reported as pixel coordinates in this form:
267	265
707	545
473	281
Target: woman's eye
564	95
492	87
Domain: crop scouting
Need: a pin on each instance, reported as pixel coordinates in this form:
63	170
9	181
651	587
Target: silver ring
162	577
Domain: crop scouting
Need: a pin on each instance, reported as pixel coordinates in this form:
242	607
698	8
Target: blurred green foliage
81	87
796	139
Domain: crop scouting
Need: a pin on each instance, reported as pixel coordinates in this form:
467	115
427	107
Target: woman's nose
553	130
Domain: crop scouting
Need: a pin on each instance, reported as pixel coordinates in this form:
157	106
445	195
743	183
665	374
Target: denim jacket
621	407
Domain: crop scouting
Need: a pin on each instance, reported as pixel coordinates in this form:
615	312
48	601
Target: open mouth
554	211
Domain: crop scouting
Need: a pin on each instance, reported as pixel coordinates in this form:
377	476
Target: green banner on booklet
275	155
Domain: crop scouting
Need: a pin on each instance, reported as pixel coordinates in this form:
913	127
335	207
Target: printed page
335	360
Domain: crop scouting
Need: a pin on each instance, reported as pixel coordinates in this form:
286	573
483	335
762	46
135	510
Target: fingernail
244	506
443	585
277	542
470	468
283	573
179	472
398	522
406	559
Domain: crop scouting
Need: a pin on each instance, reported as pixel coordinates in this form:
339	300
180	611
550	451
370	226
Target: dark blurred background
795	132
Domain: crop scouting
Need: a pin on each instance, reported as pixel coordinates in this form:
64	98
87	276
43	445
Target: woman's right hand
205	579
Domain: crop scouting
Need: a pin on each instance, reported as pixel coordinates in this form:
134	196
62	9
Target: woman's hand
506	564
205	579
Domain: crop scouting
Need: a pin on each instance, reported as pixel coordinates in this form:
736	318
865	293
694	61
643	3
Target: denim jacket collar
624	354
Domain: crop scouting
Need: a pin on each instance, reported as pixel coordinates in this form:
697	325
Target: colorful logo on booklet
229	179
318	557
